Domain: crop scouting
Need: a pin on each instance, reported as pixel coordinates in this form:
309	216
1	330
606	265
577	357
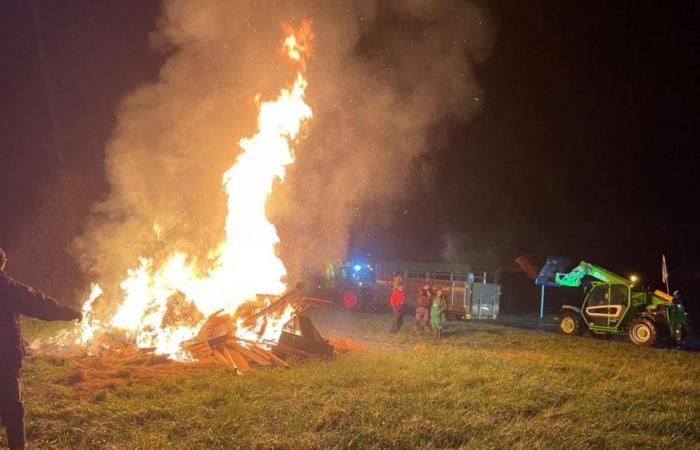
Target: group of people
430	309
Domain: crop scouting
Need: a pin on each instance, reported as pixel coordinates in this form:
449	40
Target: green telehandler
612	304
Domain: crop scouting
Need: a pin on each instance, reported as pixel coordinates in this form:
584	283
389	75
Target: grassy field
482	386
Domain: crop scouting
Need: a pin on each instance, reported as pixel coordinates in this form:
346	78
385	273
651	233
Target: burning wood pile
218	337
261	333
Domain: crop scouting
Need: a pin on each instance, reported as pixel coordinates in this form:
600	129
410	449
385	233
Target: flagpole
664	273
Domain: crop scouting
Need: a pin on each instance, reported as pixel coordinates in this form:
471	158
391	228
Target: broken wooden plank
292	351
228	357
309	302
250	354
223	359
274	358
237	358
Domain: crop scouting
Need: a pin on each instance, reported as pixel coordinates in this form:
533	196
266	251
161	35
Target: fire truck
470	293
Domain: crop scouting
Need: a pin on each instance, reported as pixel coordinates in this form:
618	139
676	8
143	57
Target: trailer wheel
643	332
570	324
350	299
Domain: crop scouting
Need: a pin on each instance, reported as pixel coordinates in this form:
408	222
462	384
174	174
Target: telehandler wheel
643	332
570	324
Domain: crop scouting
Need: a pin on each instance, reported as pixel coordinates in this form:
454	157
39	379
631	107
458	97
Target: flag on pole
664	272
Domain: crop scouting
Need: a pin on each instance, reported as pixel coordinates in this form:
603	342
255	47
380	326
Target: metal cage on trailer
470	294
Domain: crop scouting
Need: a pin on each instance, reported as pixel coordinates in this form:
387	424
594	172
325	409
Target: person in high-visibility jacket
437	308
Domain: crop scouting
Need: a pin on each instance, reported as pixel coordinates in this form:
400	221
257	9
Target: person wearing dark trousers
398	303
17	299
422	321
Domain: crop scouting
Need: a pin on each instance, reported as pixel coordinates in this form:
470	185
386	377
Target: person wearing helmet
17	299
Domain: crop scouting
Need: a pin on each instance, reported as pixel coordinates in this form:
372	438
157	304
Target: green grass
483	386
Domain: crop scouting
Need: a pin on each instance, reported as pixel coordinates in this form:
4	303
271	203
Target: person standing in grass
422	309
437	308
398	303
18	299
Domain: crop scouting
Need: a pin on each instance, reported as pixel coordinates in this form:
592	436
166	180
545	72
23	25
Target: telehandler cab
612	305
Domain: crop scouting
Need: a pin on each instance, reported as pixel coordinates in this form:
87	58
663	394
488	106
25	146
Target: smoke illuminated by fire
244	264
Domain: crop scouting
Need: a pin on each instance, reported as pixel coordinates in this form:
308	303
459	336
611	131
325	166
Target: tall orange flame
245	262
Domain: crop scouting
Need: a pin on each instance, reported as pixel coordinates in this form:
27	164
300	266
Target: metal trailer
469	294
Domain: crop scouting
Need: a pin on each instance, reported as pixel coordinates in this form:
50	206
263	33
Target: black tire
643	332
570	324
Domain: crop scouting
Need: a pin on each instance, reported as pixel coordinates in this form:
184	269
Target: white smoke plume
382	74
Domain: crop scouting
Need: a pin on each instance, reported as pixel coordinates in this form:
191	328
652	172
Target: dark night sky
586	144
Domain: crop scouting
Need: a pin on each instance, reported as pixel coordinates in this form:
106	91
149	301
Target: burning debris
219	338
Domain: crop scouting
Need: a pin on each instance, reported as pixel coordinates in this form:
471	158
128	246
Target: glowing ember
244	264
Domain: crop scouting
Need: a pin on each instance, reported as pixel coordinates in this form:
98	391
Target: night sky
585	145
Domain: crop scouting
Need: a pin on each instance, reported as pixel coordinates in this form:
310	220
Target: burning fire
244	264
297	44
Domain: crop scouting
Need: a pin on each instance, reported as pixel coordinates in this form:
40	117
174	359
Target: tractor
613	305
